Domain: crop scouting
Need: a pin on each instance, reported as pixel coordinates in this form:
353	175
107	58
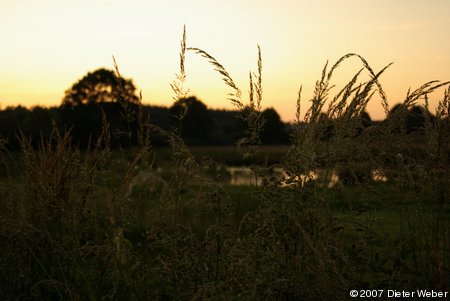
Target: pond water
245	176
241	175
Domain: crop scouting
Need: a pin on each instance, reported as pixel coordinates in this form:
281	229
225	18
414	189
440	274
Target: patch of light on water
378	175
245	176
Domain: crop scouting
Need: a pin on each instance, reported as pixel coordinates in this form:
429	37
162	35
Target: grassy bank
172	240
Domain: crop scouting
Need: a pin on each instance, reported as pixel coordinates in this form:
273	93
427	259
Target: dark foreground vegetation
359	206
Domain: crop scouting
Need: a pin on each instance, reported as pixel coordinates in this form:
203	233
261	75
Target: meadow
165	224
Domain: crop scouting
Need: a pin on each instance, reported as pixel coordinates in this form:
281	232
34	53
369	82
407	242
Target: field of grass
162	224
169	239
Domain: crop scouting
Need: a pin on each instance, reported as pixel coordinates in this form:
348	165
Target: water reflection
241	175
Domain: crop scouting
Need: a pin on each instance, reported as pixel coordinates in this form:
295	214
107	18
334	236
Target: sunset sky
47	45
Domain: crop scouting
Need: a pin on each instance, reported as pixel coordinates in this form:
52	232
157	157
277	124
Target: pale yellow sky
46	45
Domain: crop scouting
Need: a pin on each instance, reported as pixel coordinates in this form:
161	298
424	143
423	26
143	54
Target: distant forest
101	101
85	122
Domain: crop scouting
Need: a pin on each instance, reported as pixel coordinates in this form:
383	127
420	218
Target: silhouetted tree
40	122
100	86
225	131
363	121
410	120
96	93
366	121
11	121
273	131
415	120
396	118
84	122
33	124
191	117
396	109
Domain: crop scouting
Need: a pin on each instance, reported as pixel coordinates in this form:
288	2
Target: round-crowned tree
192	118
412	119
273	131
97	94
100	86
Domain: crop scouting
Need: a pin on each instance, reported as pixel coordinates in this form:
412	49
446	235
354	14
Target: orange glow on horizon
48	45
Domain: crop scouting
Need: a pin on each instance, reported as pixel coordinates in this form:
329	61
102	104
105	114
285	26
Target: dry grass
72	228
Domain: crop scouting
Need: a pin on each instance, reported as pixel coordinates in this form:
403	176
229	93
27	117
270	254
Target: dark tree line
199	125
101	96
